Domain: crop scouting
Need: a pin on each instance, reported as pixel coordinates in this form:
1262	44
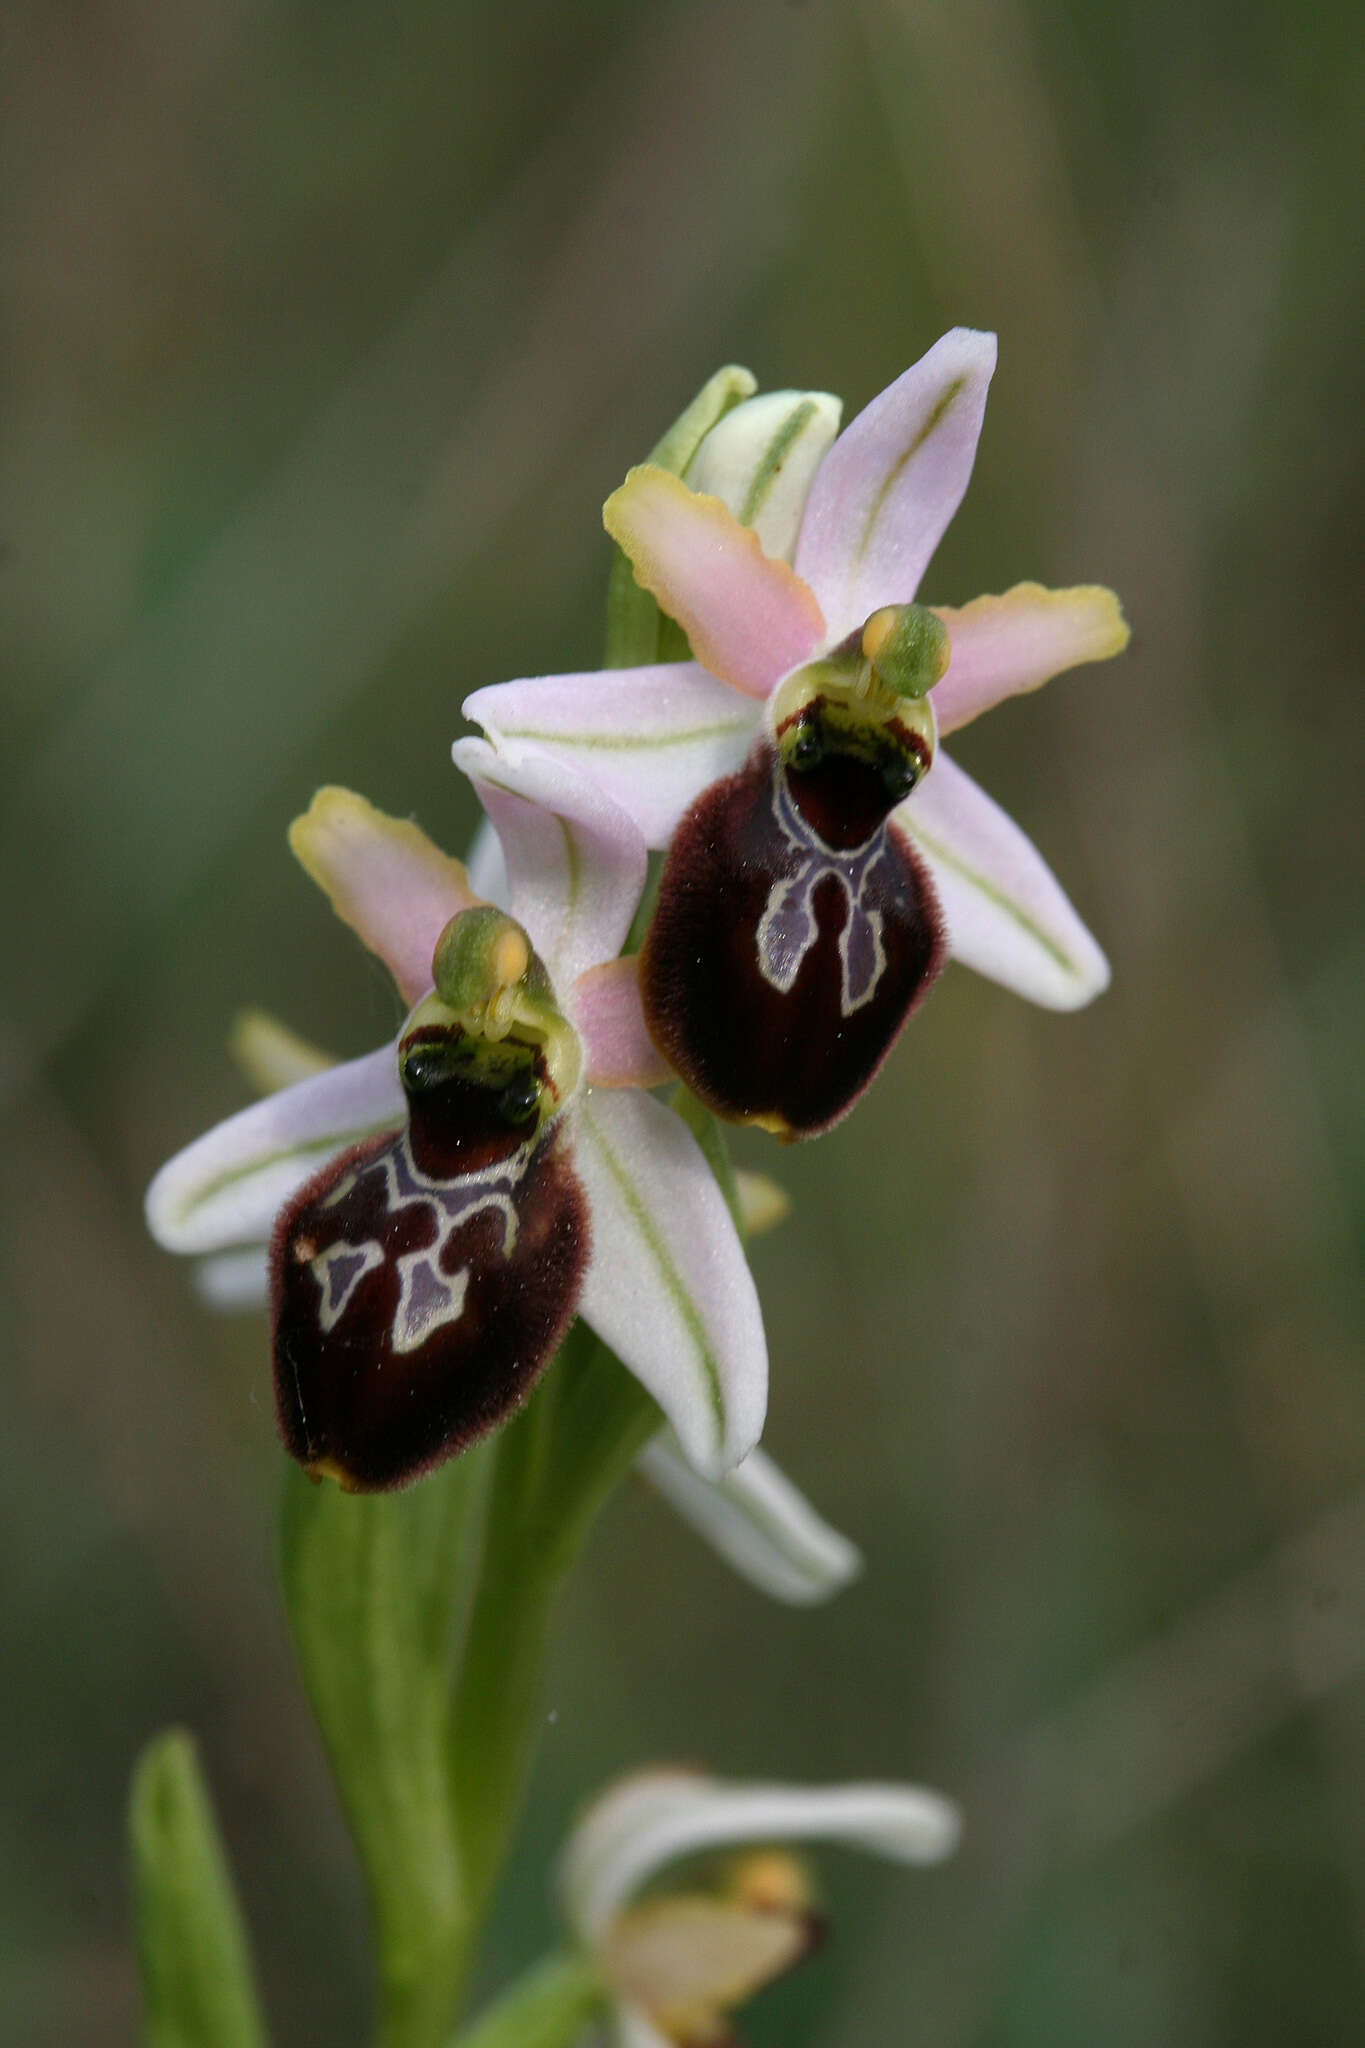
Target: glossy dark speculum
795	931
422	1281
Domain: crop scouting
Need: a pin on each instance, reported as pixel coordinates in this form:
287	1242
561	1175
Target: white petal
893	480
642	1824
575	860
486	867
632	2029
759	1523
234	1281
760	460
228	1186
1007	914
652	738
668	1286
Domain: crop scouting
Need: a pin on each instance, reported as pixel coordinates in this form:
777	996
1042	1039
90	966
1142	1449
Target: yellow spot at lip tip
327	1468
771	1120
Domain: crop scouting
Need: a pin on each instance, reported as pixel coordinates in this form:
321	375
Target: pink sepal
886	491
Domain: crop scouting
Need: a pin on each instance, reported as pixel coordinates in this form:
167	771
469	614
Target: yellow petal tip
1112	630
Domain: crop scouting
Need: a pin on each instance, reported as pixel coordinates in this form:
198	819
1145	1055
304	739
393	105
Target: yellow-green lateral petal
270	1055
763	1202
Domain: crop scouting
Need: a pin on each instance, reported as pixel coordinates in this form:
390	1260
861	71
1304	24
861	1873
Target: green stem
418	1996
373	1588
547	2008
379	1591
556	1466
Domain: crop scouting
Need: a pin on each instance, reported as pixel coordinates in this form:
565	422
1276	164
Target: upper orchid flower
823	848
675	1964
446	1203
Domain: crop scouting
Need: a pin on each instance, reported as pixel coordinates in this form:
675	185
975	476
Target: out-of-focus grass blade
197	1985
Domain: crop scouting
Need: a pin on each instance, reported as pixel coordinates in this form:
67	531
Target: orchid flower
753	1517
824	851
439	1208
677	1963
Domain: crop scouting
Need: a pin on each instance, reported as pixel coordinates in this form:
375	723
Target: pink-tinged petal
669	1288
749	618
604	1008
892	481
385	878
1003	646
760	1523
650	737
228	1186
642	1824
575	860
1006	912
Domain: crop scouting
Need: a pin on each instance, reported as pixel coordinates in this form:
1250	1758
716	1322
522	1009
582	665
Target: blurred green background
327	329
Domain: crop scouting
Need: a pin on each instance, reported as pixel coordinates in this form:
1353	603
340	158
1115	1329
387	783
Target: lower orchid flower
440	1208
824	853
752	1516
676	1963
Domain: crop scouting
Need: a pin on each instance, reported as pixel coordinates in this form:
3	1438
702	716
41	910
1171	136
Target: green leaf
637	631
375	1587
547	2008
193	1959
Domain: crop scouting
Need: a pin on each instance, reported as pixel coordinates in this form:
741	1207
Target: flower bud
760	461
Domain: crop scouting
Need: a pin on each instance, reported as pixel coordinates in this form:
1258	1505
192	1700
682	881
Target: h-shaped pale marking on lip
787	929
428	1298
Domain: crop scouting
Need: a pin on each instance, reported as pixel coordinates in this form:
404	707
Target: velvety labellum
795	932
422	1280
